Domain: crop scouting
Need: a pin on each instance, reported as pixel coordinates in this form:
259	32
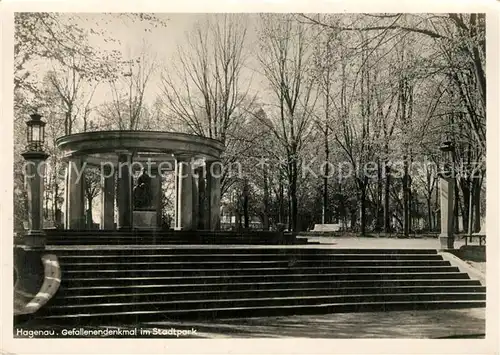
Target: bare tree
203	92
285	59
325	65
75	92
461	41
128	90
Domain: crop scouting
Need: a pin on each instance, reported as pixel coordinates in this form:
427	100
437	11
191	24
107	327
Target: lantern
35	132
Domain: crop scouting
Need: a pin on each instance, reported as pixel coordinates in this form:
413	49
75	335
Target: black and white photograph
249	175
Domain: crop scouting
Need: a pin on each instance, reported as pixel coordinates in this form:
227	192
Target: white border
251	346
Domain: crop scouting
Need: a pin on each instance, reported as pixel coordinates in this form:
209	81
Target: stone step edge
344	305
291	290
283	298
305	268
458	281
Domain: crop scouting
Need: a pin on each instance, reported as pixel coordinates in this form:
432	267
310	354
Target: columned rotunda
118	155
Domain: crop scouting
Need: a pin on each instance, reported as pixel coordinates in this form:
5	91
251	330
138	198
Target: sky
161	42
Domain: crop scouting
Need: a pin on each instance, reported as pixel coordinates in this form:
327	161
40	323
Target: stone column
66	194
201	198
157	193
447	191
35	169
75	203
176	195
108	197
124	190
213	192
195	194
184	195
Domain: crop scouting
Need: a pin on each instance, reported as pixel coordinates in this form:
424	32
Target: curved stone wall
26	301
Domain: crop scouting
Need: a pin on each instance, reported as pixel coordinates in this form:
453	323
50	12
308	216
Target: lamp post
34	170
447	191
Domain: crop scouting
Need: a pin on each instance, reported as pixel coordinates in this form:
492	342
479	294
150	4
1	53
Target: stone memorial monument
145	214
116	153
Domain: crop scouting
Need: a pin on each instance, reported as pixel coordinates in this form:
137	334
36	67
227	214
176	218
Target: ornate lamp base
34	240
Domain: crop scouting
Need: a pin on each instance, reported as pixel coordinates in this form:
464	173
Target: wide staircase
132	285
152	237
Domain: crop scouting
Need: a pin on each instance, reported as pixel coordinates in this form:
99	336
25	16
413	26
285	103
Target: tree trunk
410	205
265	221
66	123
465	187
281	202
429	214
238	221
289	214
379	221
293	196
387	212
456	207
294	206
69	117
89	213
470	214
56	193
414	225
437	207
342	208
325	218
477	205
245	205
406	209
363	208
354	219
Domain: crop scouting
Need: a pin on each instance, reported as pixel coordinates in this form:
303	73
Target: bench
481	237
327	227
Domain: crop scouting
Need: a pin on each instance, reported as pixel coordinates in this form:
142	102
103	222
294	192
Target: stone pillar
108	197
75	203
66	195
213	193
124	190
157	194
176	196
195	194
200	172
447	191
35	169
184	195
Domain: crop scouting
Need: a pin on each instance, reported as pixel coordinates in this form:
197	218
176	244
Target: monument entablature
142	142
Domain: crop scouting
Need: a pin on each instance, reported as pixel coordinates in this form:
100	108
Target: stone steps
76	290
267	271
214	293
152	284
165	237
192	258
224	265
